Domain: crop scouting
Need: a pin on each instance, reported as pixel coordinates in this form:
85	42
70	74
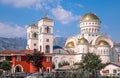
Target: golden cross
89	10
46	14
33	21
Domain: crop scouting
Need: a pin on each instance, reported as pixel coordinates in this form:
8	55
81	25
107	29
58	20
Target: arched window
47	49
35	35
18	69
40	48
47	29
40	30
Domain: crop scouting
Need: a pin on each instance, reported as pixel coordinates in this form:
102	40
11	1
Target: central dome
89	17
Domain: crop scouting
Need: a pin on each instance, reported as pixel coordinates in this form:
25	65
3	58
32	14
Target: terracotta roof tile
15	52
18	52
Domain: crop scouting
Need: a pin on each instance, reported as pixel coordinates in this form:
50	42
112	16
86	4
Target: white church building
90	39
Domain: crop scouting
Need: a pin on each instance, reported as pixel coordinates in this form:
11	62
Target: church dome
103	43
82	40
70	44
89	17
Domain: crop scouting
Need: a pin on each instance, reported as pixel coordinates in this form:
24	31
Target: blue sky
15	15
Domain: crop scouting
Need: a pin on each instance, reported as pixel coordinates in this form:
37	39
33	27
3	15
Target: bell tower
32	37
45	37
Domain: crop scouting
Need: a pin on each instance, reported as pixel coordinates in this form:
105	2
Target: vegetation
36	59
53	65
6	65
64	63
91	64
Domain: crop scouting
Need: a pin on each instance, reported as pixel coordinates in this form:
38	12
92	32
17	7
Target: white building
89	40
40	37
111	69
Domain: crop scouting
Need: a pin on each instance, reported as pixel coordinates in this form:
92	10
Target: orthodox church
90	39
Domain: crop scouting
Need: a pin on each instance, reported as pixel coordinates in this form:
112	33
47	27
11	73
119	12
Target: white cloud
63	15
56	35
79	5
8	30
36	4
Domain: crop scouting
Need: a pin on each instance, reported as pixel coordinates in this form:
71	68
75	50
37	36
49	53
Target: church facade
89	40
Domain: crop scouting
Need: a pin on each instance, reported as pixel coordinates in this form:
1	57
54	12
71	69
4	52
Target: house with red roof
19	63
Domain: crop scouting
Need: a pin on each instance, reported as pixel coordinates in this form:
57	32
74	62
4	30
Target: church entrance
18	69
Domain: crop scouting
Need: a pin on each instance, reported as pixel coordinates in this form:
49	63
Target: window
47	40
47	59
34	44
114	71
9	58
48	69
35	35
40	48
47	29
107	71
18	58
47	49
18	69
40	30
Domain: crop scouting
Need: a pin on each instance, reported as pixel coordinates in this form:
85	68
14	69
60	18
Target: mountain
20	43
12	43
61	41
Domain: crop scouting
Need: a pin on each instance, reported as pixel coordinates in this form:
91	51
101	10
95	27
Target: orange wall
29	67
23	63
47	64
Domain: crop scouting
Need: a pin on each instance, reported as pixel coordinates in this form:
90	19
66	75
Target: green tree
91	63
64	63
6	65
36	59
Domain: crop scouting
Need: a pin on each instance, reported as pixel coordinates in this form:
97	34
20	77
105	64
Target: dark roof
56	47
114	63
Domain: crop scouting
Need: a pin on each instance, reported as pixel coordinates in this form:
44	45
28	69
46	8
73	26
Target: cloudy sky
16	15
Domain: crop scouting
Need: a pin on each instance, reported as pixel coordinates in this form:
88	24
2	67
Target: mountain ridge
20	43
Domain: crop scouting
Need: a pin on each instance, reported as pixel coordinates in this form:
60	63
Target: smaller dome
89	17
56	47
103	43
82	40
70	44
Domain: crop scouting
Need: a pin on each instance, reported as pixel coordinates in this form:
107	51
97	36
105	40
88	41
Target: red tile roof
17	52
